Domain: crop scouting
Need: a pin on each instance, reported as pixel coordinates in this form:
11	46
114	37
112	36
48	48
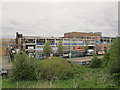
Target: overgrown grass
85	78
95	78
0	82
81	76
7	82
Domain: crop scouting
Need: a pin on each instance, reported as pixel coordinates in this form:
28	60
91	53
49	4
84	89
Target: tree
47	48
60	48
114	64
23	67
86	48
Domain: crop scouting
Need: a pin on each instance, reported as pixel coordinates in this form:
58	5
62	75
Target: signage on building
98	41
78	48
39	48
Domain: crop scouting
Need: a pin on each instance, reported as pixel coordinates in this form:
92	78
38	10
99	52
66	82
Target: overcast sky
56	18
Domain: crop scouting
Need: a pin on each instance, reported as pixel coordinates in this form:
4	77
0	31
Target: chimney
16	34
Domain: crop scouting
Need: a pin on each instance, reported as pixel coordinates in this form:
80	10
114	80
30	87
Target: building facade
73	41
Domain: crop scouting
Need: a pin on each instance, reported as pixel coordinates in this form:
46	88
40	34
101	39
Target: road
4	62
86	58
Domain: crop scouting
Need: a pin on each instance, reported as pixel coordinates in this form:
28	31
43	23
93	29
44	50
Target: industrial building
72	41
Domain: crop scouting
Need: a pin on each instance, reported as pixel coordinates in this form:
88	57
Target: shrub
56	68
96	62
23	67
106	59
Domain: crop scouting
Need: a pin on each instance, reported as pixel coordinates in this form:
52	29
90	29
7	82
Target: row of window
57	41
67	44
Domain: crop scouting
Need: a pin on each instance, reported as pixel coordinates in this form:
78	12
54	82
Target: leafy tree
114	64
86	48
96	62
60	48
47	48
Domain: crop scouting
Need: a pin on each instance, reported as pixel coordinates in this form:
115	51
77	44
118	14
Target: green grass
8	83
95	78
85	78
0	82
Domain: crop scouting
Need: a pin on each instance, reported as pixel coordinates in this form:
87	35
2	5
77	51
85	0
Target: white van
90	52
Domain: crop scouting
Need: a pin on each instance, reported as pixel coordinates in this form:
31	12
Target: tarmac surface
4	62
86	58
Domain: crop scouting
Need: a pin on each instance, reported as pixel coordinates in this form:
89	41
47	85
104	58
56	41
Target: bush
96	62
23	67
56	68
106	59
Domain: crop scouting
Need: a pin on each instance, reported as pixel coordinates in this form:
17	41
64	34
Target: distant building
72	41
5	45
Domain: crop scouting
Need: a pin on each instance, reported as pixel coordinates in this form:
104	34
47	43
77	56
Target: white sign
30	47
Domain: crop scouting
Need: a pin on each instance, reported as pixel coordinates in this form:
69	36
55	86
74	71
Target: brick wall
79	34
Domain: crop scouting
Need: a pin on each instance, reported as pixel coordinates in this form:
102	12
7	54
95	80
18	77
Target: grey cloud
54	19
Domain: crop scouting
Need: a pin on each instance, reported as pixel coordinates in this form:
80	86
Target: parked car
84	62
79	63
43	56
3	72
56	54
88	62
65	55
